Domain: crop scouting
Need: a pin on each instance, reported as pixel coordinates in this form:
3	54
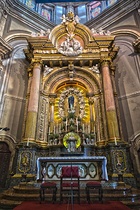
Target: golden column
112	121
31	122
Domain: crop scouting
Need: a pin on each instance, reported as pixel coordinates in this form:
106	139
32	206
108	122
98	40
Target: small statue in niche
71	102
71	146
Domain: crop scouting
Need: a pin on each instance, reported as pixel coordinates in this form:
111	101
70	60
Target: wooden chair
69	182
49	187
94	185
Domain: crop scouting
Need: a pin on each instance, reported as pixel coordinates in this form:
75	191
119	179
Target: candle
114	134
54	129
27	142
115	140
83	128
66	125
95	137
89	128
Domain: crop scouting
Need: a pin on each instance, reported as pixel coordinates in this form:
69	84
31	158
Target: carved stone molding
5	49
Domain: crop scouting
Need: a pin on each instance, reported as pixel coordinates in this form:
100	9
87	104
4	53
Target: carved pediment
71	39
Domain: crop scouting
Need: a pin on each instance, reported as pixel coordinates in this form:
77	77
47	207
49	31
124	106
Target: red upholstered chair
69	182
48	187
94	185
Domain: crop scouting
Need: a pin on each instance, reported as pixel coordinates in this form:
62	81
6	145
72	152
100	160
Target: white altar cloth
76	159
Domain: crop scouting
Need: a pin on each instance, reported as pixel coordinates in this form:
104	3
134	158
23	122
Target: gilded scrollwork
24	161
120	161
42	121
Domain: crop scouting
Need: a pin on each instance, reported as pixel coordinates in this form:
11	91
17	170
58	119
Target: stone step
13	197
10	195
8	204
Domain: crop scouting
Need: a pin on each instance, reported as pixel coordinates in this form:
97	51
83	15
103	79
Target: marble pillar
112	121
31	122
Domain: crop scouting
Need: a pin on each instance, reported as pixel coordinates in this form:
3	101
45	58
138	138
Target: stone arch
88	79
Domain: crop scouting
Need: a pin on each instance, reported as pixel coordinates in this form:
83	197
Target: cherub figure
77	19
64	19
47	70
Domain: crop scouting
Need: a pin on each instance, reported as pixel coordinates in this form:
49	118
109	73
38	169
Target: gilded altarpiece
71	110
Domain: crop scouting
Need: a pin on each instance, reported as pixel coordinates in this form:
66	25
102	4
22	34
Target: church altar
94	167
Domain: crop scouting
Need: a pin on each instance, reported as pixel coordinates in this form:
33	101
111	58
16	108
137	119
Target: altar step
12	197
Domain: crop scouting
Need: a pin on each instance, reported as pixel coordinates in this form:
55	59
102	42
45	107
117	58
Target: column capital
36	62
105	61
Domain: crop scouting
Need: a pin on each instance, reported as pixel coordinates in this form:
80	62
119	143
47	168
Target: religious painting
95	10
31	4
46	13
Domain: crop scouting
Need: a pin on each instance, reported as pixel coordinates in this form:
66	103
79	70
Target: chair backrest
70	171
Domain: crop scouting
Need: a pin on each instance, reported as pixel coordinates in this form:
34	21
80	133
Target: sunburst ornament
71	136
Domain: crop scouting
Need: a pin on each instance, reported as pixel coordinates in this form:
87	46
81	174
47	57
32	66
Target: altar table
50	167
